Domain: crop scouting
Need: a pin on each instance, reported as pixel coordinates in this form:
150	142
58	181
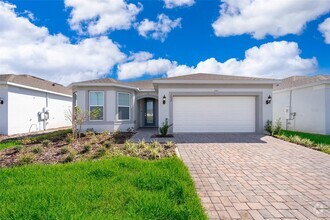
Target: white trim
103	84
89	105
129	107
303	86
33	88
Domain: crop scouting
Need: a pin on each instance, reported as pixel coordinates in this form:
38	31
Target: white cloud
152	67
29	49
262	17
271	60
140	56
324	28
178	3
158	30
99	16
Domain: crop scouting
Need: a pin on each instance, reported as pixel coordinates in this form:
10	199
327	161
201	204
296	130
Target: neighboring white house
303	103
192	103
29	104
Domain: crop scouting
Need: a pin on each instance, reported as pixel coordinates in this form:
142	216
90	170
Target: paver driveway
256	177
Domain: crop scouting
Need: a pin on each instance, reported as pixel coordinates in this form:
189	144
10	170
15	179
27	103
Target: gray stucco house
192	103
303	103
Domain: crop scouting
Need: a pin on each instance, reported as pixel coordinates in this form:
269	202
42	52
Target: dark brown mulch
52	153
162	136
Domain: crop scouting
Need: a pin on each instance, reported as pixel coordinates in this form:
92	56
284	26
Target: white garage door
214	114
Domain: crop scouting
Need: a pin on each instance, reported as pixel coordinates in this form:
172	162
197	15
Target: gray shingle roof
105	81
297	81
144	84
204	76
35	82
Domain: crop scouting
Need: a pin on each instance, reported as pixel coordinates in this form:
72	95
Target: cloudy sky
74	40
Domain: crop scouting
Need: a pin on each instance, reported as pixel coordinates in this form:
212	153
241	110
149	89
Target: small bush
65	150
100	152
86	148
27	141
70	157
164	129
45	143
269	127
277	127
37	149
69	138
18	148
94	140
90	132
273	129
141	144
108	144
169	144
25	159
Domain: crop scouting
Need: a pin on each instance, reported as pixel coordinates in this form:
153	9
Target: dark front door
149	115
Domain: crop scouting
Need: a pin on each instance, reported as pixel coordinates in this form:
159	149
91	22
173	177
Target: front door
149	115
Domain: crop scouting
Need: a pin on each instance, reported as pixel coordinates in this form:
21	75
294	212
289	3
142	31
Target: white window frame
89	105
129	106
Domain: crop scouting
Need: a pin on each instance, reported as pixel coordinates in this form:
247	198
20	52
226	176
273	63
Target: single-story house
303	103
29	104
192	103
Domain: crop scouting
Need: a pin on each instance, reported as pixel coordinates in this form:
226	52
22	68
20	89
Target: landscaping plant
164	129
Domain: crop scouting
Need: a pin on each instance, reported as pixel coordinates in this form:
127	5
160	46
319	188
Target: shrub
45	143
108	144
170	144
269	127
94	140
25	159
141	144
65	150
100	152
69	138
18	148
277	127
27	141
90	132
37	149
273	129
86	148
164	129
70	157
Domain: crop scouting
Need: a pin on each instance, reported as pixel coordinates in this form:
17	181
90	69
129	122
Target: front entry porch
148	112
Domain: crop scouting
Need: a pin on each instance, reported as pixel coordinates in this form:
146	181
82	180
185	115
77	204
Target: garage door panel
214	114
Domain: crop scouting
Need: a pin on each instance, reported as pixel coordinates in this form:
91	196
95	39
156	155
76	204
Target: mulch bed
162	136
53	153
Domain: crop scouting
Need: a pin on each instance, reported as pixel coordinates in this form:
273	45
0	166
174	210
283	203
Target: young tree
77	117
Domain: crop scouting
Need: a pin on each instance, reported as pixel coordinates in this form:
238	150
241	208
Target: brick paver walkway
259	178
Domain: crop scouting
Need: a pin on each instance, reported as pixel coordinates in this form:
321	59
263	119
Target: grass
9	144
117	188
316	141
45	138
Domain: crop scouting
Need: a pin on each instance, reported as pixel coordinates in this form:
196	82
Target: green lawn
316	138
52	136
117	188
315	141
9	144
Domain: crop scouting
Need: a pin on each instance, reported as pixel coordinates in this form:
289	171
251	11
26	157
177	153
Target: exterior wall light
269	100
1	101
164	99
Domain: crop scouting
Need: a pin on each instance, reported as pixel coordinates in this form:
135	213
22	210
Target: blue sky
191	41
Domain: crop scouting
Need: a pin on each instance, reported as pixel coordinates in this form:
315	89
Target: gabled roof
191	78
143	84
103	82
34	83
298	81
205	76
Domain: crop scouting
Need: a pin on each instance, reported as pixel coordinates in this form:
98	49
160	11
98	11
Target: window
124	106
96	105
